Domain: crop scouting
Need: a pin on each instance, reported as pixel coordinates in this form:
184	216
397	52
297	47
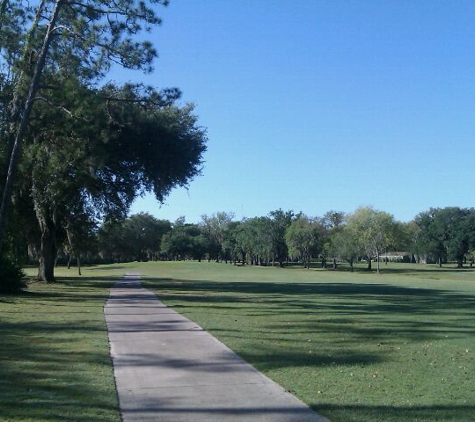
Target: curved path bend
168	369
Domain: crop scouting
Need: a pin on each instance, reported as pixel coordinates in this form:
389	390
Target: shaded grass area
355	347
54	353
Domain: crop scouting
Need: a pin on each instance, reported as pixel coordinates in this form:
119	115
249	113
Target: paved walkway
168	369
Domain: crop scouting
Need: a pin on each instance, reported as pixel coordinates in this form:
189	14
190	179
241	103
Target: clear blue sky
317	105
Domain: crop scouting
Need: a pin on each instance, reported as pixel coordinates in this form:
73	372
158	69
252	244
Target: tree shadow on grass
109	267
45	374
285	358
54	358
88	286
416	269
349	298
356	312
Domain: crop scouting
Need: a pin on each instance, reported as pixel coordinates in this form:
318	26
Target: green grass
54	353
356	347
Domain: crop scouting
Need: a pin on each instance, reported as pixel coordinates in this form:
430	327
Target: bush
12	277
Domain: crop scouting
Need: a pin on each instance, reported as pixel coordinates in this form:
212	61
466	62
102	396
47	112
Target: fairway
355	347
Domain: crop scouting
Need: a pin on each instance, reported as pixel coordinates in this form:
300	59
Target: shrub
12	277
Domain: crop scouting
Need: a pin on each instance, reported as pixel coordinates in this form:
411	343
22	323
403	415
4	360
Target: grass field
356	347
54	354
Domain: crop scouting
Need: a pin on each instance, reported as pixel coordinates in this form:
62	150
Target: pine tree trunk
18	144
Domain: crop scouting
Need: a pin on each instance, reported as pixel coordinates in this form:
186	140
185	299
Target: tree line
439	235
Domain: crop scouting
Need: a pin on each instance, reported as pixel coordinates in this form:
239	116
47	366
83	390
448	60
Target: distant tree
346	245
304	238
215	228
246	241
80	237
376	230
429	241
144	234
184	241
230	246
334	220
459	224
280	221
263	239
405	235
242	241
255	239
137	238
446	233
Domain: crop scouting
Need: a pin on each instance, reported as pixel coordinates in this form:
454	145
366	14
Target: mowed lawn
54	353
356	347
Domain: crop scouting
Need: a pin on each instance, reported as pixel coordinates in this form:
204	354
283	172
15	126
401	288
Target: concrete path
168	369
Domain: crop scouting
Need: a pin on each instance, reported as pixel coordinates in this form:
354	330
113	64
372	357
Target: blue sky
322	105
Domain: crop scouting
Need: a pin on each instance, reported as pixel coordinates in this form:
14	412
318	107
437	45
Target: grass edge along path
355	347
54	353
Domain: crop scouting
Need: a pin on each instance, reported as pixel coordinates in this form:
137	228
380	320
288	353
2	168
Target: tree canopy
81	152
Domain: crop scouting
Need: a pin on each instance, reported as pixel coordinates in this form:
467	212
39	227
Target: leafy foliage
138	238
216	230
89	151
445	233
373	231
185	241
304	238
